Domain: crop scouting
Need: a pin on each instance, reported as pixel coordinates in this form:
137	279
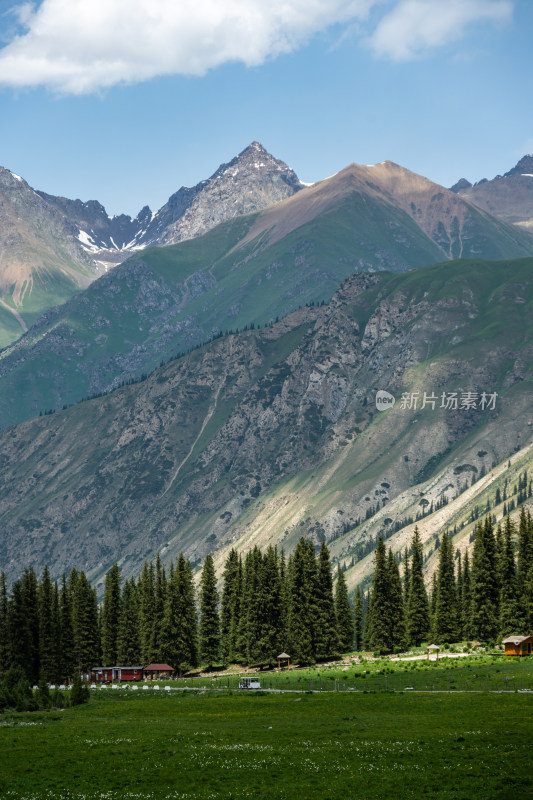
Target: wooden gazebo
284	657
158	671
433	648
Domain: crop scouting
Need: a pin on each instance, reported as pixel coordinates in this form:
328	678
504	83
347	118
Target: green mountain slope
253	269
268	435
41	262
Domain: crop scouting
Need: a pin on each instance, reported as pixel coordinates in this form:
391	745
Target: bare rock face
508	196
250	182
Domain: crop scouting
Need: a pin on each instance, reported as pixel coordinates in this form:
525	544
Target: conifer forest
266	603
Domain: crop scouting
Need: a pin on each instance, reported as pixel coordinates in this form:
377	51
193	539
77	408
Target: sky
124	101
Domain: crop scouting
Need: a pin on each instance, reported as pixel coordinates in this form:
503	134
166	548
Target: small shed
284	660
120	674
518	645
156	672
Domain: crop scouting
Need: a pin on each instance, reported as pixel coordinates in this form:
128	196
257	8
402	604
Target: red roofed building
119	674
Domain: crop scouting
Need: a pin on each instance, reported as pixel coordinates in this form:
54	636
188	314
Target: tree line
268	603
486	597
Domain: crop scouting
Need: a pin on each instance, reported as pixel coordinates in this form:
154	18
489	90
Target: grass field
216	745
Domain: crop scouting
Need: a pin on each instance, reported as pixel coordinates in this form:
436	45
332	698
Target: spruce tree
406	579
397	631
525	549
269	610
85	622
510	621
358	620
128	641
326	625
179	634
367	621
380	639
48	631
485	614
343	615
417	606
466	610
31	605
446	623
67	659
300	629
209	619
146	595
160	585
111	616
229	609
4	635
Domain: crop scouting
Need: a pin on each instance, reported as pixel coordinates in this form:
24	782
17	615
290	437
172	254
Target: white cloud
415	26
82	46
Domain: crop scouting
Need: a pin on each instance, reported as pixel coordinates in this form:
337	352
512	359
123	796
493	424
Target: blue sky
124	101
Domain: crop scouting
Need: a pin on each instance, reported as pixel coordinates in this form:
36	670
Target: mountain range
249	270
266	435
235	357
52	247
508	197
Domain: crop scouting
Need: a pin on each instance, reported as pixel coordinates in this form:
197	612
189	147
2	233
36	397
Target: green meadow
219	743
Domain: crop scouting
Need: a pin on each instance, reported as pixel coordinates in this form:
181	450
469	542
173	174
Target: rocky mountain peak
248	183
523	167
461	184
10	180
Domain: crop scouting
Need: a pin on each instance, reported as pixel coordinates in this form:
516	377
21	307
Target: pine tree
31	605
4	637
466	609
367	621
406	578
160	585
358	620
84	622
270	609
446	627
485	614
128	642
111	616
67	660
146	595
48	630
326	637
300	630
179	629
510	621
230	604
417	607
343	614
380	639
397	632
209	619
524	563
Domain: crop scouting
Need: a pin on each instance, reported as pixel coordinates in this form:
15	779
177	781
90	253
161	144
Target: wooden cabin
156	672
118	674
518	645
